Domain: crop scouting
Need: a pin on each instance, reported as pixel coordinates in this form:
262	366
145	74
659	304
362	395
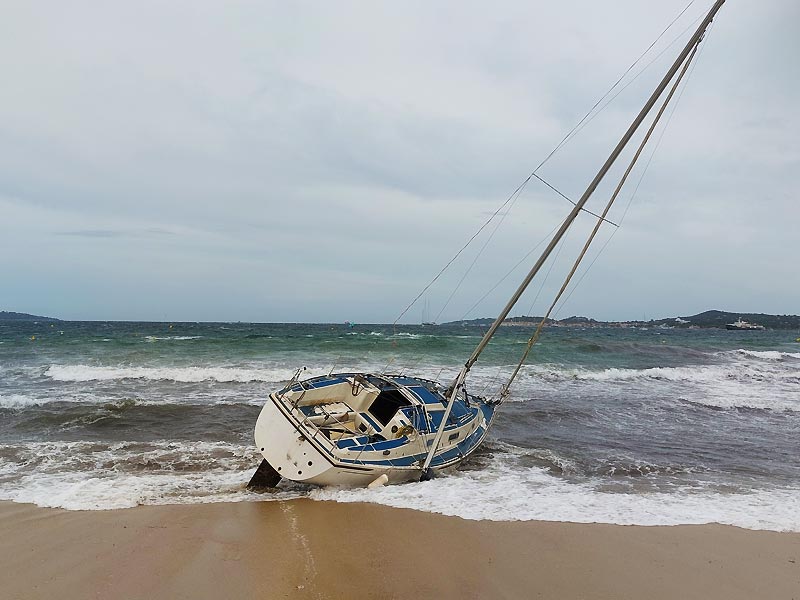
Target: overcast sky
271	161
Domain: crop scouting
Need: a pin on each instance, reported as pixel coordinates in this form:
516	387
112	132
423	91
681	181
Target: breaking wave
90	476
504	493
87	475
155	338
769	384
19	401
695	373
181	374
764	354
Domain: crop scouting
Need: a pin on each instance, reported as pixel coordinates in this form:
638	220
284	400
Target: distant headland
708	319
16	316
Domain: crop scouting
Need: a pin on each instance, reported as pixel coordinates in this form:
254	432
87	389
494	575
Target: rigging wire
553	262
644	171
547	158
514	268
570	200
647	165
534	338
575	129
477	256
635	77
464	247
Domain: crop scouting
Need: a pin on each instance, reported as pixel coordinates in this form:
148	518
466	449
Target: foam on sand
503	494
90	476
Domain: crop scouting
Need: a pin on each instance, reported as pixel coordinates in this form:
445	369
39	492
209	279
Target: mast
562	230
535	337
595	182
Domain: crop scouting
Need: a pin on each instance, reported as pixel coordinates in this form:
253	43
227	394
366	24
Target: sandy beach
308	549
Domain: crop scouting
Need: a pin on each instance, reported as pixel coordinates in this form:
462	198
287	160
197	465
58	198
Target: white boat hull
294	456
299	451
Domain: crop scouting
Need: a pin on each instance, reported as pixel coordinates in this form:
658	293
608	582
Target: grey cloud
211	148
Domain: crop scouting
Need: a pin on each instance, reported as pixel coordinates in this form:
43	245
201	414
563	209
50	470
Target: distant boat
369	429
742	325
425	320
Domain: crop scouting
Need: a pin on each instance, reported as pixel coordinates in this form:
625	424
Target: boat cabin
351	409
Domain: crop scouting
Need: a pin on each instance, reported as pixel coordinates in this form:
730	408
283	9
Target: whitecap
765	354
155	338
180	374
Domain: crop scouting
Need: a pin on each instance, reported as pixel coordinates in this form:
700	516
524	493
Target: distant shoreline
711	319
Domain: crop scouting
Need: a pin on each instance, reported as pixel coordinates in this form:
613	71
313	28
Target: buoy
33	337
380	481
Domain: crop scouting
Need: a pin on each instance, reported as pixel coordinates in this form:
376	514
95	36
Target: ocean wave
196	374
616	468
50	458
762	354
19	401
767	386
226	398
179	374
693	373
365	333
91	475
507	494
94	476
155	338
783	403
25	400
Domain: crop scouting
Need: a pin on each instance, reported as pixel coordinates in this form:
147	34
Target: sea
645	426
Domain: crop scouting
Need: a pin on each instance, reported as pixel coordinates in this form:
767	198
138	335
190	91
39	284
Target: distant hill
15	316
708	319
523	321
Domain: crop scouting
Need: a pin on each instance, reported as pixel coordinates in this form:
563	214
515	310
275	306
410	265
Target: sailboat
425	321
370	429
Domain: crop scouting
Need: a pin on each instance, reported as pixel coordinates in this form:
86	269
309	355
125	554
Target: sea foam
181	374
91	476
764	384
498	494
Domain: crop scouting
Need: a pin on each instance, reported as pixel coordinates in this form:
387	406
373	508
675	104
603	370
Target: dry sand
307	549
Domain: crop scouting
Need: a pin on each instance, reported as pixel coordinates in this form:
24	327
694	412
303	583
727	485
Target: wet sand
307	549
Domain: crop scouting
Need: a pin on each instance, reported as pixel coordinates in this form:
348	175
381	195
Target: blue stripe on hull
461	414
461	450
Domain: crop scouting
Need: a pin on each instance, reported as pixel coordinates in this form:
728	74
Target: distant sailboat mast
425	313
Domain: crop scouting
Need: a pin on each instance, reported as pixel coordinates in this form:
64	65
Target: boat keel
264	477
